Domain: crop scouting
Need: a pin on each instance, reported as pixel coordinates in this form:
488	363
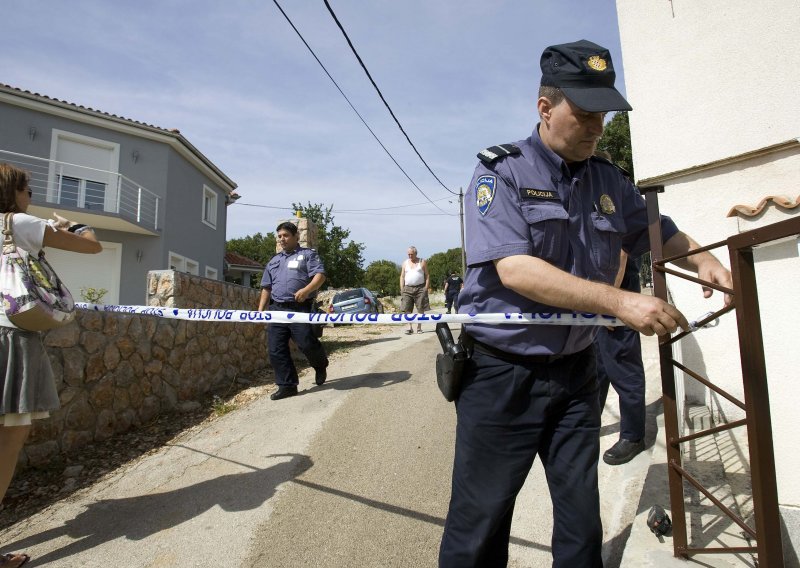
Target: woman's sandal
13	560
419	331
409	332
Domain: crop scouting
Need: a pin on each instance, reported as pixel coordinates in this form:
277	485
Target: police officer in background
290	283
619	363
452	287
544	231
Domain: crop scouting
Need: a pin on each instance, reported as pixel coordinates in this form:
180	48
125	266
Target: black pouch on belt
450	363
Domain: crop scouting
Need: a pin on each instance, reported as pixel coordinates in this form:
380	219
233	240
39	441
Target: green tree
344	261
442	264
257	247
383	277
616	140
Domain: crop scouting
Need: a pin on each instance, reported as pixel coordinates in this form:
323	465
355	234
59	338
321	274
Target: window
182	264
94	195
83	172
177	262
347	295
76	192
211	273
69	189
209	207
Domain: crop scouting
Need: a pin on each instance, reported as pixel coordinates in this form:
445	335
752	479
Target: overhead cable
380	94
354	108
352	211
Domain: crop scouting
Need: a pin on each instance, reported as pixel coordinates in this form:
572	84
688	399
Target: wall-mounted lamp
139	255
32	133
135	156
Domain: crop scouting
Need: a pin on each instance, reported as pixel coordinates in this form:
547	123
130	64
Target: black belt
471	343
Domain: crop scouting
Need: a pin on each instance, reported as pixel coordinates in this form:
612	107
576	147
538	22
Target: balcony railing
82	187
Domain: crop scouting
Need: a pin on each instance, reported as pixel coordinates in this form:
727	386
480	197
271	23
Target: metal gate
767	532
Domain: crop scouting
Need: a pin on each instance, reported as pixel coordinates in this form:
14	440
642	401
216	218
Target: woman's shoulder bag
34	298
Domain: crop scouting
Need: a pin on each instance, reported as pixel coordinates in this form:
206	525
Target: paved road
351	474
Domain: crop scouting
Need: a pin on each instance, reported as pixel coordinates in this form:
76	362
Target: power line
358	211
380	94
354	108
344	210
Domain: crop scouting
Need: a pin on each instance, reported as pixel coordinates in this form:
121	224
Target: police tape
244	316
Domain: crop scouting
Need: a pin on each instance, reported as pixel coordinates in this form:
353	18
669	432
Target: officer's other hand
650	315
301	296
713	271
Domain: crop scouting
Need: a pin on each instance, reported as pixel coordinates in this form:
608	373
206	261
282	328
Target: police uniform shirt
286	273
529	203
454	284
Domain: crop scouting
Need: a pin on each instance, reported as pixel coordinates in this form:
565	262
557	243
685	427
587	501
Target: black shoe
320	374
623	452
283	392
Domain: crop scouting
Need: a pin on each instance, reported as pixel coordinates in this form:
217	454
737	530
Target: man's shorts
414	296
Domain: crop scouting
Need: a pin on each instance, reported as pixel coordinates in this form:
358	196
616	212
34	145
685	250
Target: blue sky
235	79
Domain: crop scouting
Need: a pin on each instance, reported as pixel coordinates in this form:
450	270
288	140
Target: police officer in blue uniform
290	283
545	224
452	287
619	363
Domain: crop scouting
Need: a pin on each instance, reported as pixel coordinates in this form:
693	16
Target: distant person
452	287
545	224
619	363
415	281
290	283
28	390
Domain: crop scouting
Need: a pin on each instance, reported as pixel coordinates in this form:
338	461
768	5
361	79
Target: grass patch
221	407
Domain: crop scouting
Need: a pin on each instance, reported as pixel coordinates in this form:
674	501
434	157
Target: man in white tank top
415	281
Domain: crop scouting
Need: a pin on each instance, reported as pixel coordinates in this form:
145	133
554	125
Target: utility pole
461	218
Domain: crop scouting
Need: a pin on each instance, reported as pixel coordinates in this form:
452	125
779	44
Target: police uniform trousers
619	362
280	356
451	301
508	413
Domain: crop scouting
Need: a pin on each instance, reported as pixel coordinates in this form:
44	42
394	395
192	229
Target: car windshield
348	295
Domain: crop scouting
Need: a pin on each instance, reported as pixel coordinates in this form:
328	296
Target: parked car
355	301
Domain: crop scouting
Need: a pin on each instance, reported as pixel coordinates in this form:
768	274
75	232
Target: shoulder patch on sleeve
484	193
493	153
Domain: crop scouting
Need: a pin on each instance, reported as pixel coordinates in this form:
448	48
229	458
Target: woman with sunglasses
27	387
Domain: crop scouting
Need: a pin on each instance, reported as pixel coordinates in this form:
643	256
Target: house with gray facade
155	201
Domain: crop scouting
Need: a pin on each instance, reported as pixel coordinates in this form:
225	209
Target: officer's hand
650	315
713	271
300	296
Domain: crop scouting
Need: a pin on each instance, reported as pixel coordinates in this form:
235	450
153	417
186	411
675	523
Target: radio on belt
450	364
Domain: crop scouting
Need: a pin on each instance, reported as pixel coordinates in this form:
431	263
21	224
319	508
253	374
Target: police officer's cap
585	74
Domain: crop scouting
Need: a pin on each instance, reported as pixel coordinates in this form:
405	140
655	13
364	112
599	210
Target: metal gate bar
756	395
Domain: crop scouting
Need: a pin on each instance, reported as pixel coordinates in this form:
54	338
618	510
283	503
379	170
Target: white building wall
717	80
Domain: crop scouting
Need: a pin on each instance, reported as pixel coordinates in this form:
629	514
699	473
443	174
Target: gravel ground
33	490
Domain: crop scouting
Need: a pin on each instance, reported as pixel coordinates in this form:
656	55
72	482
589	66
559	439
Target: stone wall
307	231
118	371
